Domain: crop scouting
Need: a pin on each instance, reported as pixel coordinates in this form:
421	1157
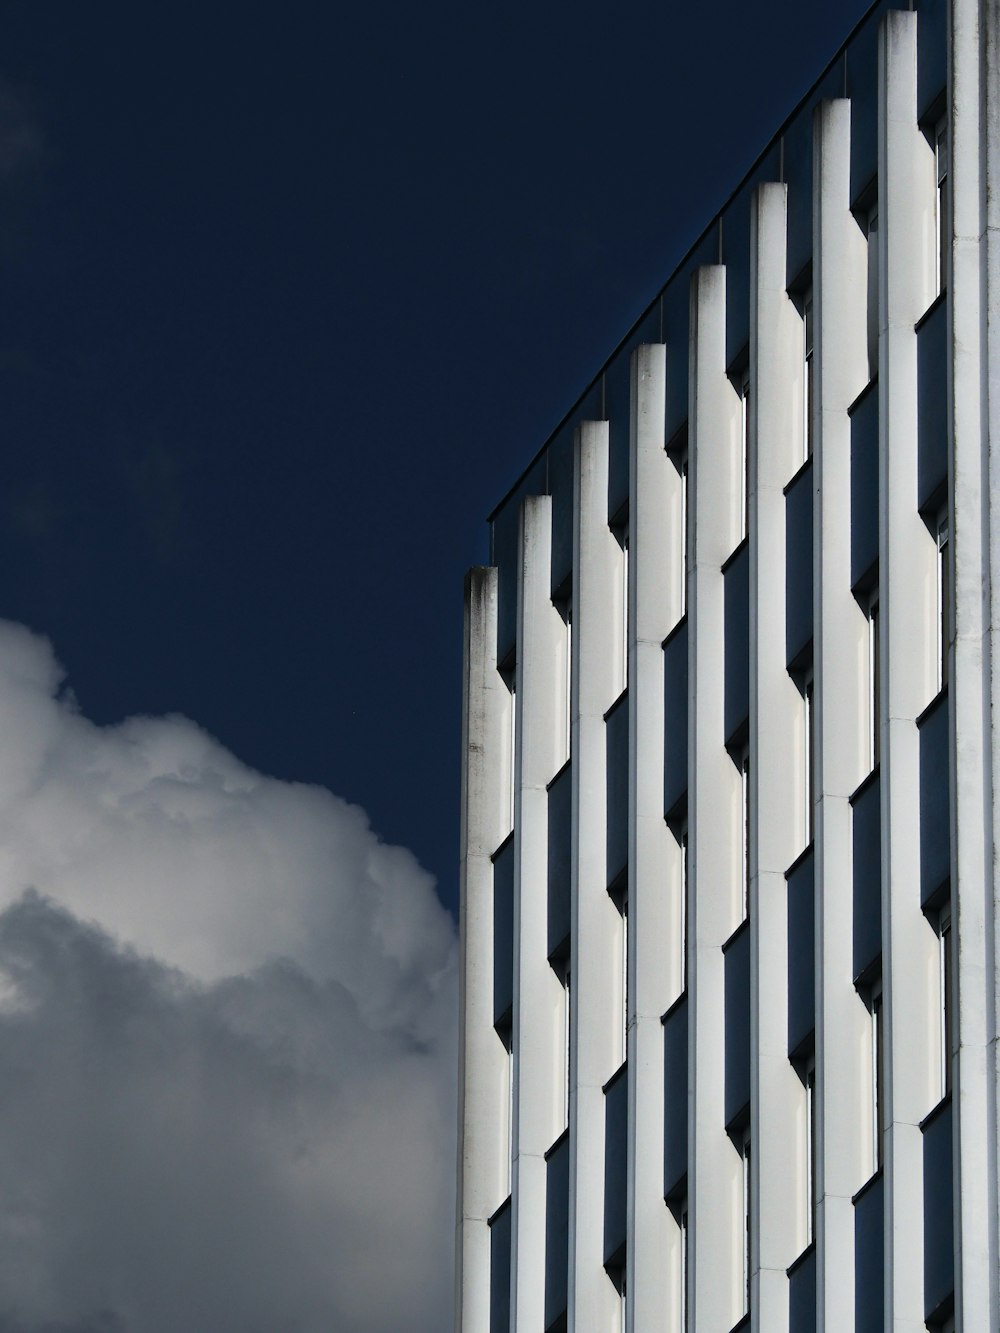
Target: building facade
729	997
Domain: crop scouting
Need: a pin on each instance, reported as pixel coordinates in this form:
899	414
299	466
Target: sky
289	296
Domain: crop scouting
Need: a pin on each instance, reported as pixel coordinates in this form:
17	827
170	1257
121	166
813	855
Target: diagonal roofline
838	55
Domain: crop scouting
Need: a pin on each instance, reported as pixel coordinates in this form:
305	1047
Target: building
729	897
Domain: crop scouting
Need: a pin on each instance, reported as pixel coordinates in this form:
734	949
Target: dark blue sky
289	295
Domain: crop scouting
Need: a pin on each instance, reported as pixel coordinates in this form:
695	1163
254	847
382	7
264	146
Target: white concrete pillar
778	818
907	615
537	990
482	1083
973	283
990	327
841	704
715	1265
595	927
652	915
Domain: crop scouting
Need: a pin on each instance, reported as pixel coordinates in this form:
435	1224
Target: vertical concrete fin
482	1169
715	1269
907	556
595	925
973	281
653	854
778	822
537	990
840	651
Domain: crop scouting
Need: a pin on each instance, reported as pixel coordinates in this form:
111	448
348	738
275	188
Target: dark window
747	1185
744	458
873	320
878	1073
808	389
745	834
874	682
947	997
944	599
941	221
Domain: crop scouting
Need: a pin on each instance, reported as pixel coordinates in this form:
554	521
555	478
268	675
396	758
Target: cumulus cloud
226	1039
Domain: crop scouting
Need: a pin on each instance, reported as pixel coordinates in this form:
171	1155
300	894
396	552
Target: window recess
874	682
873	1000
745	834
745	1158
621	535
947	996
941	220
806	1070
871	228
808	756
943	597
808	390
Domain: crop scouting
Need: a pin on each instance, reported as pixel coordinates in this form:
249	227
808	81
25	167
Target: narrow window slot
744	458
873	293
808	395
941	221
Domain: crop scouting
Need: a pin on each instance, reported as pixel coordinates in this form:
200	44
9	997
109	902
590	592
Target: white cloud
226	1039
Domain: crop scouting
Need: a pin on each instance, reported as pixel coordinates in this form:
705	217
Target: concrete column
482	1083
595	926
778	820
973	283
990	333
990	328
841	704
537	991
715	1268
907	614
651	912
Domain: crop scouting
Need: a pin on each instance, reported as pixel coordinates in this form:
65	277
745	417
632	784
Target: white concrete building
732	765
